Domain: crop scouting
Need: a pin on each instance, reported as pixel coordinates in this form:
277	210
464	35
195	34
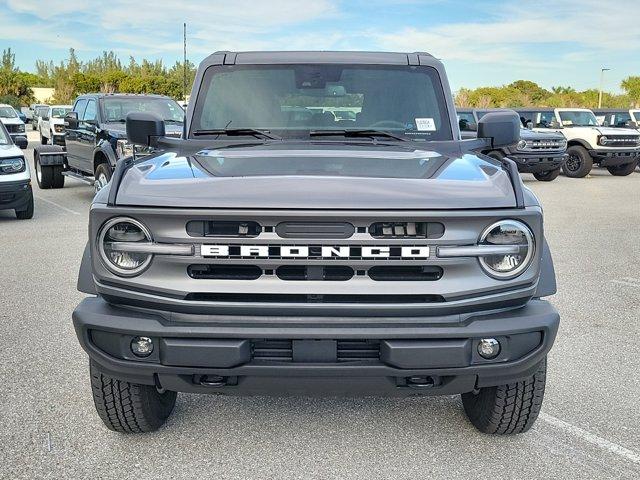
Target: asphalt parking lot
589	428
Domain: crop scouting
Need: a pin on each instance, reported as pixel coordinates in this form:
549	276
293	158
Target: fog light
142	346
488	348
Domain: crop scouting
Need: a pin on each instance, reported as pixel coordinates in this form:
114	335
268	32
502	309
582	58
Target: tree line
108	74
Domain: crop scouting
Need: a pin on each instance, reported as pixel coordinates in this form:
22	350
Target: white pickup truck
616	149
52	125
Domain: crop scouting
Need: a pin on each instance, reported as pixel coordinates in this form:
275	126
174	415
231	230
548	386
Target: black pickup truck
96	138
541	154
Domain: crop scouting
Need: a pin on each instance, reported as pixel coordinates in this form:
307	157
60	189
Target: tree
631	85
13	84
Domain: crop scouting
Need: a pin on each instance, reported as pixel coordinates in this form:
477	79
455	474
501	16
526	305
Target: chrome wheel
100	182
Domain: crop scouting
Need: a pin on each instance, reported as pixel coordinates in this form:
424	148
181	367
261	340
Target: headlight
11	165
522	144
124	149
507	232
20	128
603	140
58	127
116	250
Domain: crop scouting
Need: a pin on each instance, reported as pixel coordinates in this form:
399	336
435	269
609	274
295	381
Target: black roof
350	57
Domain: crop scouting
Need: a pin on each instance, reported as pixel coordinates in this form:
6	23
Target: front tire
129	407
507	409
27	213
102	177
623	170
579	163
548	176
43	140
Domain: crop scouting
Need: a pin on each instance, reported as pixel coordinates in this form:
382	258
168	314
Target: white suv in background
616	149
52	125
10	119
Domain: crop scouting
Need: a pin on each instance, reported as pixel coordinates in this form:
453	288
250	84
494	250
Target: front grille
545	145
311	298
621	141
14	128
314	272
224	272
407	230
210	228
268	350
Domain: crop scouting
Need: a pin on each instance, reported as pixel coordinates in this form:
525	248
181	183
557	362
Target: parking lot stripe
631	282
592	438
59	206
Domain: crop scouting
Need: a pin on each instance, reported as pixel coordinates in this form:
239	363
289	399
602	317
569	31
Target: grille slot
388	273
224	272
406	230
278	350
310	298
211	228
315	230
314	272
272	350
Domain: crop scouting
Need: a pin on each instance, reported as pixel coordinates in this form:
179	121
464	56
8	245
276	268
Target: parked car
29	111
15	178
22	116
280	258
9	117
95	137
542	154
618	118
52	125
616	149
36	118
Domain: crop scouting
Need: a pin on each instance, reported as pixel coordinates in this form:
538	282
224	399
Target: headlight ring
507	232
121	262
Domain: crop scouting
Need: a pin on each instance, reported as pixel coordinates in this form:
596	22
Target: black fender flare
547	281
86	283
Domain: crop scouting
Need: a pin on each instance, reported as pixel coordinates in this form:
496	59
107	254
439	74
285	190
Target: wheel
547	176
579	163
507	409
48	176
623	170
43	140
129	407
44	174
27	213
496	154
102	177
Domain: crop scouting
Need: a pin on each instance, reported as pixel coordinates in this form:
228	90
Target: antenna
184	62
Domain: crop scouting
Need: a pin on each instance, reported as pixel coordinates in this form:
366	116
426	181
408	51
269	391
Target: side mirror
503	128
71	120
529	125
555	124
144	128
632	124
21	142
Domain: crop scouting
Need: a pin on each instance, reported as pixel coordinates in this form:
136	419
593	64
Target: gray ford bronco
280	248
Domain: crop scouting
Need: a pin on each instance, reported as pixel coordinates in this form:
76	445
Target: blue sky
491	42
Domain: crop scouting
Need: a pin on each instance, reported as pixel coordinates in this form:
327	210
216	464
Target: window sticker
425	125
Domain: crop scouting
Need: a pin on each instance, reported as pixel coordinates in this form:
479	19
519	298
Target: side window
79	107
545	119
91	112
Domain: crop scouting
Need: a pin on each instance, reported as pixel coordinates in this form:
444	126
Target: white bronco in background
616	149
52	124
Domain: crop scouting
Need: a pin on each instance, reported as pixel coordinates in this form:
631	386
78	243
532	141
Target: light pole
602	70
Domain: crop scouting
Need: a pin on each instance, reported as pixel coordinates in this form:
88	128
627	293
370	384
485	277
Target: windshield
466	121
116	109
4	137
7	112
636	115
578	118
60	112
41	111
293	100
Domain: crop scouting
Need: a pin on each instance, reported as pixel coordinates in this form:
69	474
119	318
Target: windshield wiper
231	132
355	133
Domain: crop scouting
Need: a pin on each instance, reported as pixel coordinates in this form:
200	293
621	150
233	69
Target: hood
11	121
10	150
318	177
527	134
119	130
616	131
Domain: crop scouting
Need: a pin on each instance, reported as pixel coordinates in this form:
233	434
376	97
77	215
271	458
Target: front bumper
309	355
613	157
58	139
15	195
536	162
